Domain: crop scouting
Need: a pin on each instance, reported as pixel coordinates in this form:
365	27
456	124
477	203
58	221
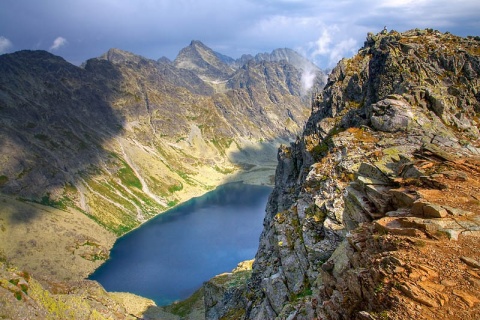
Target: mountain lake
169	257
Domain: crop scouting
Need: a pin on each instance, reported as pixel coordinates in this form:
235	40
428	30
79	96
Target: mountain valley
89	153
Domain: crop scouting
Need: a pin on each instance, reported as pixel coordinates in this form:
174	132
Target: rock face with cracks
375	212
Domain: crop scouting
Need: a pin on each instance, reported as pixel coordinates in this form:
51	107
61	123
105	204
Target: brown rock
396	226
434	211
470	262
430	272
469	299
364	315
433	183
435	290
448	283
399	270
457	211
403	197
417	207
432	286
417	294
455	175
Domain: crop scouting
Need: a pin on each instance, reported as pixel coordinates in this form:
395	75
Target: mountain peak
202	60
115	55
197	43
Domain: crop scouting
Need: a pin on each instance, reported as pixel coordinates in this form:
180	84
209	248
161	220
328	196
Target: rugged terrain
89	153
375	212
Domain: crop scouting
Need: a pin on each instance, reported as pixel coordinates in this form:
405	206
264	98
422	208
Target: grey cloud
154	28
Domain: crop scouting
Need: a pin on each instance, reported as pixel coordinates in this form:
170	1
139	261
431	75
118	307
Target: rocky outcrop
367	203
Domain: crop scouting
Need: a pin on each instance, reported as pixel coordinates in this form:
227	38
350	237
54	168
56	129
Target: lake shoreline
202	237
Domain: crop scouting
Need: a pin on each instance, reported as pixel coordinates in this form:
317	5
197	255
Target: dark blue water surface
170	256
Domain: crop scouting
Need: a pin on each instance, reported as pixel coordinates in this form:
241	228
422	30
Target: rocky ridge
375	212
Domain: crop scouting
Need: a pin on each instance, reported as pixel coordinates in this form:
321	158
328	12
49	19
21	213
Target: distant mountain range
123	137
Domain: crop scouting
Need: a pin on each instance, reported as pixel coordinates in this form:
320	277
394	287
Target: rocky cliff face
375	212
124	138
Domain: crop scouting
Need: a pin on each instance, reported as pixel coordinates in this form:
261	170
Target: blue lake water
170	256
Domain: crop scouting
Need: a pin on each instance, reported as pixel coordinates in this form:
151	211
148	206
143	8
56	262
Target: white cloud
331	46
323	43
342	49
308	78
58	43
5	45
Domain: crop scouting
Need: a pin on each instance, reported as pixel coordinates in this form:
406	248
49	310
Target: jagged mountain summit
277	55
375	212
204	61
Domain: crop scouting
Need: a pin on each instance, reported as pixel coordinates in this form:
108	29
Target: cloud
344	48
5	45
58	43
308	78
325	29
322	44
331	46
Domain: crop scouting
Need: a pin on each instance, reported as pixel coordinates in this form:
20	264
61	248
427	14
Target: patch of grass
383	315
185	307
41	137
172	203
47	201
379	288
18	295
108	215
307	291
221	144
361	135
128	177
126	174
315	212
185	177
3	256
320	150
24	288
3	180
237	313
70	188
223	171
420	243
175	188
232	280
14	281
108	189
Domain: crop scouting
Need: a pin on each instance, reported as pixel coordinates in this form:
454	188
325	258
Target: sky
322	30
